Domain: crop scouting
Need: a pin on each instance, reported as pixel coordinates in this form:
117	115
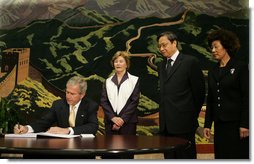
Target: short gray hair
78	80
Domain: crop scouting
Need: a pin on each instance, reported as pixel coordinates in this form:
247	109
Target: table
99	145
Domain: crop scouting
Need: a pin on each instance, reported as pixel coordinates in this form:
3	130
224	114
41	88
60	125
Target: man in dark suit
182	93
75	114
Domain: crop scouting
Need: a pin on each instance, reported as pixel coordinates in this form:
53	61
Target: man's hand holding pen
20	129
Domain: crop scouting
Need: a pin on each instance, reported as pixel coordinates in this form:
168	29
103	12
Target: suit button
218	105
218	98
218	90
218	83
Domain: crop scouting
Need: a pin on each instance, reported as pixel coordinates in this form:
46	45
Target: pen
19	128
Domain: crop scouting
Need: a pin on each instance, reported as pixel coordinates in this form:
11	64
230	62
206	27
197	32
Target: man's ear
83	95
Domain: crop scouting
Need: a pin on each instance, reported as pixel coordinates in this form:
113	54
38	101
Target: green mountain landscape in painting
81	41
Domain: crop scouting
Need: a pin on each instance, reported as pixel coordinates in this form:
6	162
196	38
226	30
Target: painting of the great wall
44	43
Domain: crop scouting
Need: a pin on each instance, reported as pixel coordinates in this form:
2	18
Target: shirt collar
114	78
174	56
77	105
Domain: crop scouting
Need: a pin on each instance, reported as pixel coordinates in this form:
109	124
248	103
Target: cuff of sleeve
30	129
71	131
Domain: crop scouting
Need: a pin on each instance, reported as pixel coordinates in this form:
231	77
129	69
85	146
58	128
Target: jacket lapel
229	70
163	69
176	64
215	74
81	113
65	113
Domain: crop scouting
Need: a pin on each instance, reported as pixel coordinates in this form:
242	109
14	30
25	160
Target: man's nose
161	48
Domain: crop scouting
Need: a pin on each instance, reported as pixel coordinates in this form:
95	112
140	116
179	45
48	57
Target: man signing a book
74	115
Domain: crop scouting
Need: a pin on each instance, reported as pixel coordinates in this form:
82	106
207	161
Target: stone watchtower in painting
14	69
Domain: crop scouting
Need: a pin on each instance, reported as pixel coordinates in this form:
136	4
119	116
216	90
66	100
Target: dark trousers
227	142
187	153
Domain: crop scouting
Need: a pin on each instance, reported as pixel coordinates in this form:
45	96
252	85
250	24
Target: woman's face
218	51
120	64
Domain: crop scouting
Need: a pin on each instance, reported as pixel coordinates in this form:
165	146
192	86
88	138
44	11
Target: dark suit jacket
58	115
182	94
228	94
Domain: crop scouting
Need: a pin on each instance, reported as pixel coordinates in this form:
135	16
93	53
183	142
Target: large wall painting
44	43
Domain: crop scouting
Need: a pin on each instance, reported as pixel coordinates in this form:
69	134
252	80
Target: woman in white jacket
120	98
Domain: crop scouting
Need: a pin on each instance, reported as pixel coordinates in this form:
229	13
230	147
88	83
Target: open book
25	135
40	135
45	135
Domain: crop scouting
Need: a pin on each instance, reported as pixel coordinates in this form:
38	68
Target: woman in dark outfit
119	100
228	98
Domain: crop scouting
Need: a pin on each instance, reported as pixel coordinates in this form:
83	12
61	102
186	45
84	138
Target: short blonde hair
125	55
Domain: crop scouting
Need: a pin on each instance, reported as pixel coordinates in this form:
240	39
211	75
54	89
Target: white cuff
30	129
71	131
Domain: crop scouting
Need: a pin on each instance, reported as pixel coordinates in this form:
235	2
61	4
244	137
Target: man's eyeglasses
163	45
